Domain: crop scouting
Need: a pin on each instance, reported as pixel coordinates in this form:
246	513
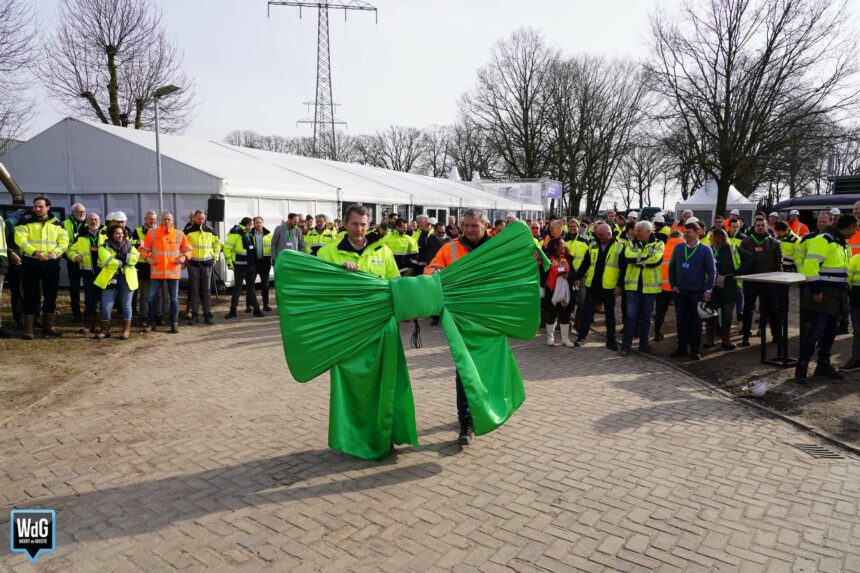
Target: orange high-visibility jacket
667	256
853	243
165	246
449	253
799	228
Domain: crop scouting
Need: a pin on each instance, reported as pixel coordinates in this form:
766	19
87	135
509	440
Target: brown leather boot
105	331
89	324
126	330
29	319
48	324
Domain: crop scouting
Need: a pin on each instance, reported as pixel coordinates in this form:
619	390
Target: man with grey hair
420	236
643	261
474	234
75	224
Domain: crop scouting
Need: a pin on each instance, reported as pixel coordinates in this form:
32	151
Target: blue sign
553	190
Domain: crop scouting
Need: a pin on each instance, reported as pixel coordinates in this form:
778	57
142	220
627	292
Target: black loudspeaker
215	209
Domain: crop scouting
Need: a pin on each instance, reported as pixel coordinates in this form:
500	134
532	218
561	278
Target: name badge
290	245
759	249
560	269
685	265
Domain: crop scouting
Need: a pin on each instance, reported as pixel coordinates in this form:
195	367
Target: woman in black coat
731	262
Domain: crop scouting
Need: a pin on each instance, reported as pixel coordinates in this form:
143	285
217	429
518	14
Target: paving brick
610	464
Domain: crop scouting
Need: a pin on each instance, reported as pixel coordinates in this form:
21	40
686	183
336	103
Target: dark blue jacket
701	270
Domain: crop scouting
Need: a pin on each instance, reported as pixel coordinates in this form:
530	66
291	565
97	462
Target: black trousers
75	287
555	312
264	267
767	295
662	306
593	297
38	278
15	276
244	274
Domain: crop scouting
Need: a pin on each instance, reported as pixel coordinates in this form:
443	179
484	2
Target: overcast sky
254	71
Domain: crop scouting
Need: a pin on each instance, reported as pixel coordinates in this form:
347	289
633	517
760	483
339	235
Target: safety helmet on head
658	218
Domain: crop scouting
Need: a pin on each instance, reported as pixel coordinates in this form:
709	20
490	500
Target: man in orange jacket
166	249
473	234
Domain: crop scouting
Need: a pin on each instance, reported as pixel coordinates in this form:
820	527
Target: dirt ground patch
833	407
30	370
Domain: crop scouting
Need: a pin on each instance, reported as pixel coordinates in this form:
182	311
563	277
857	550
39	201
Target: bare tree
472	151
681	151
437	159
742	75
397	148
509	102
641	168
595	106
107	58
18	52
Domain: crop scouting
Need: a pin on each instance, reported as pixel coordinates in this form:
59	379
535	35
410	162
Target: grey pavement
201	453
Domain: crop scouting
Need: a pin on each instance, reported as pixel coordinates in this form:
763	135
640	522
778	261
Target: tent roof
79	156
706	196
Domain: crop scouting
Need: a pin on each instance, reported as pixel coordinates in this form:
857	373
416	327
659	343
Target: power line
324	142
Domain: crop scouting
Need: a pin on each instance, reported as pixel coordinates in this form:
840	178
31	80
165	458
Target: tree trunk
722	196
113	87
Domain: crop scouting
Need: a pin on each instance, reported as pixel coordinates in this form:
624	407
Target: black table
783	281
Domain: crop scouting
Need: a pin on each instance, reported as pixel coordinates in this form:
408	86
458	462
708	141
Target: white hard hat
633	214
111	216
119	216
734	212
658	218
433	220
691	220
774	214
706	312
755	387
794	212
512	215
835	211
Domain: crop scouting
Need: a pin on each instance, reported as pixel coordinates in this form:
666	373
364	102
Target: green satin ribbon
349	323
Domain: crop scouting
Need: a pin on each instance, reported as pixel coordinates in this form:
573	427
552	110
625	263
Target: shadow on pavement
148	506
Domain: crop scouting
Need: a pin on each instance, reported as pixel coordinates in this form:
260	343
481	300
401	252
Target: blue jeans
822	329
463	412
689	323
172	288
110	295
639	308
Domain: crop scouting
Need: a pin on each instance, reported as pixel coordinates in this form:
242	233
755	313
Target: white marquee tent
108	168
703	203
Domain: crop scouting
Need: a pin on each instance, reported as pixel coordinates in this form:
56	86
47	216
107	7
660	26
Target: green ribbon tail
544	259
371	403
488	370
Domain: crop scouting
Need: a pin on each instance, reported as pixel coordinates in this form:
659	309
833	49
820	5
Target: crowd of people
648	265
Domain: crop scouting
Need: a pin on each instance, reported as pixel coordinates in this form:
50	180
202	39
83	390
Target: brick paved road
207	456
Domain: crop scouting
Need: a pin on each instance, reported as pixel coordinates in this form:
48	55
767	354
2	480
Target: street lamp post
160	93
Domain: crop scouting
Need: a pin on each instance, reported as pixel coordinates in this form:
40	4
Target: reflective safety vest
46	236
826	260
316	239
854	271
798	228
615	249
4	250
87	247
736	257
643	260
665	231
800	250
854	243
577	247
401	245
111	266
376	258
788	243
164	246
239	247
667	257
74	228
204	243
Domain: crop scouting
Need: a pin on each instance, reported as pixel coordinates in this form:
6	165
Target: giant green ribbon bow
348	322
